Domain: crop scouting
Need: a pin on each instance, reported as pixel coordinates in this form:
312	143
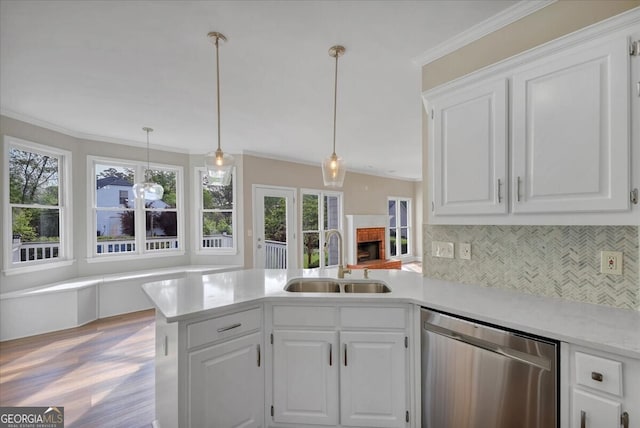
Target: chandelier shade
147	190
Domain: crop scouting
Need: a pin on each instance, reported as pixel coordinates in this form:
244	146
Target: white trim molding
488	26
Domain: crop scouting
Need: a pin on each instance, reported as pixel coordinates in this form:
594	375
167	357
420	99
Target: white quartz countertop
596	326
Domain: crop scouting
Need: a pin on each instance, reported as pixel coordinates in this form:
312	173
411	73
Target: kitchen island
245	321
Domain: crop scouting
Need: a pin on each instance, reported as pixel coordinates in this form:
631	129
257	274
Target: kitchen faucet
341	269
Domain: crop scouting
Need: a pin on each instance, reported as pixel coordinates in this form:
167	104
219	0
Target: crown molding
494	23
81	135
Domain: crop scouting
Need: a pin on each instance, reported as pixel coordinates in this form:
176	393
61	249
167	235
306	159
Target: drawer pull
583	419
330	354
259	355
624	420
596	376
229	327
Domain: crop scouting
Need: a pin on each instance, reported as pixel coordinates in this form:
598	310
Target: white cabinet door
226	385
305	377
469	145
570	142
590	411
373	379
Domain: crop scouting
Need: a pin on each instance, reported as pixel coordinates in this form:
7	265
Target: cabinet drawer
223	327
304	316
378	318
599	373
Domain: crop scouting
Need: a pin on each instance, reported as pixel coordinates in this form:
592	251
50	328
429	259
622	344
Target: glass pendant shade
219	168
148	190
333	171
333	167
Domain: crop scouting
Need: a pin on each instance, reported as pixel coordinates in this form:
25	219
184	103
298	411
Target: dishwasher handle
533	360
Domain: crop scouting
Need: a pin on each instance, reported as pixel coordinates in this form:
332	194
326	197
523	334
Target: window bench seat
77	301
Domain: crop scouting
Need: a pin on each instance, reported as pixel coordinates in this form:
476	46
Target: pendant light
219	164
148	190
333	167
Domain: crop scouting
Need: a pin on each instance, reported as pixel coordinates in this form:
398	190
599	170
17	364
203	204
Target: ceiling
105	69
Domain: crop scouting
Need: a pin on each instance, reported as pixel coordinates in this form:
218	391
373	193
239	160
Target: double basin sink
319	285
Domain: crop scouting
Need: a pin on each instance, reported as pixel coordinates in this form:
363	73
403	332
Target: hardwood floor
102	373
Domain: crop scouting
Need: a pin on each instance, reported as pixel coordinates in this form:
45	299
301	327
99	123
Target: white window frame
139	168
409	227
198	215
322	232
65	251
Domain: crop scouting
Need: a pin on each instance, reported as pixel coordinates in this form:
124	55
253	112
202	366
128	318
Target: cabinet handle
229	327
518	188
583	419
259	355
165	345
499	191
330	354
596	376
345	355
624	420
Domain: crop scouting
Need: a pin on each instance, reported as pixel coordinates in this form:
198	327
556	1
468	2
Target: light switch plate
464	251
442	249
611	262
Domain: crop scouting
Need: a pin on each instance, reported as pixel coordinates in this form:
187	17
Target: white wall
363	194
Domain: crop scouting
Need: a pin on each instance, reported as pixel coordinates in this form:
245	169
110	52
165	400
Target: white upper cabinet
549	136
470	150
570	124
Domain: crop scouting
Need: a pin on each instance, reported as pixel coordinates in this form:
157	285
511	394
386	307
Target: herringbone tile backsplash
558	261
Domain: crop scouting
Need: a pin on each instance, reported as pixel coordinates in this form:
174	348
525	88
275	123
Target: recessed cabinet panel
226	385
571	131
305	377
373	379
469	138
590	411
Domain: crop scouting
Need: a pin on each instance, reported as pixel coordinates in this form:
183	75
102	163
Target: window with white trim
123	227
321	211
216	232
36	203
399	227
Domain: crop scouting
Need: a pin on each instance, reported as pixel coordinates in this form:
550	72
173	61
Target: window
321	211
399	227
120	225
216	216
36	206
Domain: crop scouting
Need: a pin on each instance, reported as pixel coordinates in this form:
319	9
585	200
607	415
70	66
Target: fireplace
370	244
366	243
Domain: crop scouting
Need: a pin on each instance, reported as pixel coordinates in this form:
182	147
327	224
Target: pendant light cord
335	104
218	87
146	173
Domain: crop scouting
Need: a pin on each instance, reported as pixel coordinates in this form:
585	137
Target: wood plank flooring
102	373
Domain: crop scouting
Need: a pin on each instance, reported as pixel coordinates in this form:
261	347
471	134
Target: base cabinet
373	379
225	384
604	389
339	366
210	371
305	378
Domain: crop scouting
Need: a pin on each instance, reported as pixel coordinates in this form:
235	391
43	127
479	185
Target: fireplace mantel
355	222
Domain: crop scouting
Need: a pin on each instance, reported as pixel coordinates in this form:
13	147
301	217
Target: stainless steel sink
366	287
313	286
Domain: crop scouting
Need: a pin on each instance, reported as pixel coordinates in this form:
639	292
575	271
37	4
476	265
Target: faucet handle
366	273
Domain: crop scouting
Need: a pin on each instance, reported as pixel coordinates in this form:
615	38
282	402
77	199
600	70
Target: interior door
274	239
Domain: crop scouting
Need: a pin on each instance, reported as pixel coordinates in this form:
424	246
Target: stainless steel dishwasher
479	376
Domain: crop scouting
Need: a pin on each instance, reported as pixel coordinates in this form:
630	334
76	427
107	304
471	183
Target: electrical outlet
464	251
611	262
442	249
